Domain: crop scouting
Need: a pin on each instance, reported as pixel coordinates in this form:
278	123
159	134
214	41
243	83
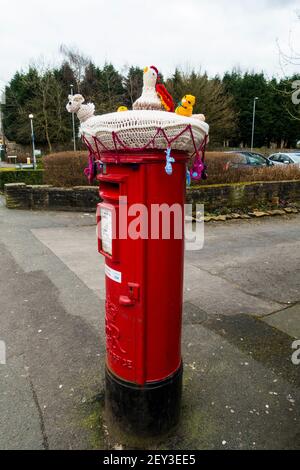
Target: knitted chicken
155	95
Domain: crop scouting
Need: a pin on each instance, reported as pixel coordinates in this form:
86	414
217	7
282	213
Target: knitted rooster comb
164	95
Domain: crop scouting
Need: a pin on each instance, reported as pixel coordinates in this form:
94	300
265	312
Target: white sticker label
112	274
106	230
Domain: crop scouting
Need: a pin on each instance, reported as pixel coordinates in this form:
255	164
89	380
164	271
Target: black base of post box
147	411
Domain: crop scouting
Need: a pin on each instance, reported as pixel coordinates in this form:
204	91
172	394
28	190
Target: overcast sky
214	35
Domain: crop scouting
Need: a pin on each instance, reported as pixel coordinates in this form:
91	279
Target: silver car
285	158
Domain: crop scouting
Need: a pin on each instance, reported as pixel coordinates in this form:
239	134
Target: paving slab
217	295
77	248
257	256
287	320
19	414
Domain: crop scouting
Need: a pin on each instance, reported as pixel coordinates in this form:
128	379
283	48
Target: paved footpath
241	316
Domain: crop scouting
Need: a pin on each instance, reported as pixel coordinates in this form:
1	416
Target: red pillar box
142	157
141	228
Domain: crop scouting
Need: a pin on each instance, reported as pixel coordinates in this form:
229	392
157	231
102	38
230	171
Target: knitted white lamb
83	111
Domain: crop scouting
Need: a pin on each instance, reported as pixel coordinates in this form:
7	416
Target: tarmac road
241	316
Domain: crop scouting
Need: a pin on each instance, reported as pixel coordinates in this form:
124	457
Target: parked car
244	159
285	158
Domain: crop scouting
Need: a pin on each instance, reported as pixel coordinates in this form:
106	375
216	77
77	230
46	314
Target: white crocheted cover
137	128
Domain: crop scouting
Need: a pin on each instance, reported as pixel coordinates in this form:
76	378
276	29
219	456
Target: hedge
65	169
219	174
29	177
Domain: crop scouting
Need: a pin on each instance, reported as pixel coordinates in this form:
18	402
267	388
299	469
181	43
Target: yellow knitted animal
185	107
122	108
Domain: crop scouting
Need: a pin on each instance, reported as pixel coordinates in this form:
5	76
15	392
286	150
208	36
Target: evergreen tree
19	93
111	92
133	84
91	83
211	100
274	121
44	96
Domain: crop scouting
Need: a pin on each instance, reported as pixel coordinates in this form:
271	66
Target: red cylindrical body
144	275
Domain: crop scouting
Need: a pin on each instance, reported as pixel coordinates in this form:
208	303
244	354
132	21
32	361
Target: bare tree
287	58
77	61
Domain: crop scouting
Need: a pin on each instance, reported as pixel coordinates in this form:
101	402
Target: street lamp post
73	123
32	139
253	122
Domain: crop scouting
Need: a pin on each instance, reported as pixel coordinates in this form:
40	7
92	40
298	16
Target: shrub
12	175
218	174
65	169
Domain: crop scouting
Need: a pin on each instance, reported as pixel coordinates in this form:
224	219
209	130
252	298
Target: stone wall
214	197
245	195
80	198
